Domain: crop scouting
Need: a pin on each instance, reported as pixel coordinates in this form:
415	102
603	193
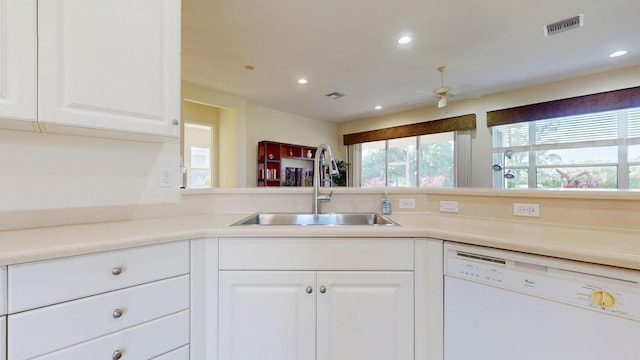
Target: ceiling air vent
335	95
564	25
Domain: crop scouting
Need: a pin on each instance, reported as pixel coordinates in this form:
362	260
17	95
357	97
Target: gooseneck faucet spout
317	168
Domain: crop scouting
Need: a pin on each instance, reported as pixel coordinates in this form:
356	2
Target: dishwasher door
511	306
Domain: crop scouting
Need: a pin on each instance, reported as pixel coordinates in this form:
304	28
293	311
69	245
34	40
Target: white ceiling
350	46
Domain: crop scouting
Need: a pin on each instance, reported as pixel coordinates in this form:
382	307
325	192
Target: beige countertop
596	245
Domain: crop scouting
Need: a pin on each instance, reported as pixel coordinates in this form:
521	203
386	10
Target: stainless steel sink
316	219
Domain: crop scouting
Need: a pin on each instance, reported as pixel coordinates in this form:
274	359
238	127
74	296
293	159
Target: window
596	150
417	161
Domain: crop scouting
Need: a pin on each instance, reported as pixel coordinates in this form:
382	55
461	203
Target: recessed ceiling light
378	107
618	53
302	81
403	40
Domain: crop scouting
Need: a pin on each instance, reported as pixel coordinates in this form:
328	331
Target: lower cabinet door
267	315
144	341
365	315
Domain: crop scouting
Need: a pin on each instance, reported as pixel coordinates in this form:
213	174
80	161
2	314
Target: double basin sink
374	219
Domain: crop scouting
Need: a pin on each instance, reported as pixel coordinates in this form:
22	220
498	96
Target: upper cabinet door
110	64
18	59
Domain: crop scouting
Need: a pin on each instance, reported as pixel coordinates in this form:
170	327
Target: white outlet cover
166	178
407	203
449	206
524	209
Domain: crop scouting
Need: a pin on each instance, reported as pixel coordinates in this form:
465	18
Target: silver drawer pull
309	289
117	270
116	355
323	289
117	313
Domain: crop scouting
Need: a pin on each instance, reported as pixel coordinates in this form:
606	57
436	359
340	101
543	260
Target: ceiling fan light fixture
335	95
442	102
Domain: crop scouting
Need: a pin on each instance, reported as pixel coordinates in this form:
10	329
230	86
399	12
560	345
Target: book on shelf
298	176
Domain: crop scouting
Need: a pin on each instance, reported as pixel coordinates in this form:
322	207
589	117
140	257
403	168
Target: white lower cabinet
316	315
3	337
145	341
136	307
365	315
177	354
267	315
324	299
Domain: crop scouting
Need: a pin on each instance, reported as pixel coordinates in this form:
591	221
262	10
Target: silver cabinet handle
117	270
117	313
323	289
309	289
175	122
116	355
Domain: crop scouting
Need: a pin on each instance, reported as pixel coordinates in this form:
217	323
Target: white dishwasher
503	305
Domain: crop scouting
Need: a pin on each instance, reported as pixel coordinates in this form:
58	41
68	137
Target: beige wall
481	174
49	171
269	124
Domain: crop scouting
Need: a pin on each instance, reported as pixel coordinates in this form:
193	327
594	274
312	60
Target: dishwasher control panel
591	286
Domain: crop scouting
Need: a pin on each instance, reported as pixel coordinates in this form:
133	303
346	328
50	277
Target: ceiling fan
443	93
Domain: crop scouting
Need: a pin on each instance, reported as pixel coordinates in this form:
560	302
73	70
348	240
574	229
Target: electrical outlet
166	178
449	206
407	203
522	209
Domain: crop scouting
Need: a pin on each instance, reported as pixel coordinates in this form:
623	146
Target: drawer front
73	322
3	290
144	341
3	337
178	354
316	254
49	282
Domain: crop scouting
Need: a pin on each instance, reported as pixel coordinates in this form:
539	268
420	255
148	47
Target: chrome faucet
317	168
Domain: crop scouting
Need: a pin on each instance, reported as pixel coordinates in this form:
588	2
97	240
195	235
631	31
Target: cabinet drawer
139	342
73	322
316	254
48	282
3	290
178	354
3	337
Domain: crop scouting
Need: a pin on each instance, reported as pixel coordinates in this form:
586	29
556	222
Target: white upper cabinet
112	65
18	67
107	68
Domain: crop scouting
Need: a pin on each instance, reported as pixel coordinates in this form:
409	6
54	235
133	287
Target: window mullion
532	178
386	163
623	163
